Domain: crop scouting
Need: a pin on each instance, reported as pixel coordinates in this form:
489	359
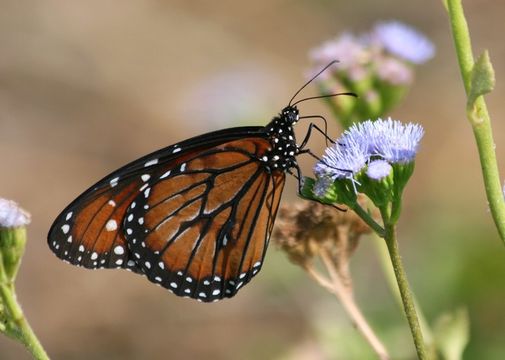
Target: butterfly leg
309	132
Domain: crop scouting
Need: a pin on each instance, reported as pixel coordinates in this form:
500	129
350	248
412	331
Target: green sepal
12	248
402	173
381	192
482	79
307	192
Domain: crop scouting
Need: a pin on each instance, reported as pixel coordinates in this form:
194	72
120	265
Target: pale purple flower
403	41
366	142
11	215
343	160
378	169
396	142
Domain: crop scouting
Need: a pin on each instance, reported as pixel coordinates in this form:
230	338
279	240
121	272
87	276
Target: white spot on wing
112	203
145	177
111	225
119	250
69	215
151	162
114	181
176	150
94	256
165	174
65	228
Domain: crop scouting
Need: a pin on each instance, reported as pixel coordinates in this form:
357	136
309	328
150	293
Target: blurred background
88	86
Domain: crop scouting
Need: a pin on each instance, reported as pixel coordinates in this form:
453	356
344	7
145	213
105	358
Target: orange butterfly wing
201	229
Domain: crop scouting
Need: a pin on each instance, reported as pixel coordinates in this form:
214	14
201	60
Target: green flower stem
14	323
478	116
406	295
389	273
367	218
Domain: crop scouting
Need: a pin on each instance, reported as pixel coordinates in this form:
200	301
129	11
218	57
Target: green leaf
482	78
452	332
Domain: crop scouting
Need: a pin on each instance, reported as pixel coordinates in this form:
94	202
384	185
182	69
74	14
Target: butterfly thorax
282	137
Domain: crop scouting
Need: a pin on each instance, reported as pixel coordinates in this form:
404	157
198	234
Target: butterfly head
290	114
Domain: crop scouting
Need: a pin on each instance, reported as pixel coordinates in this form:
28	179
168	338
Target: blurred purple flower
403	41
351	52
393	71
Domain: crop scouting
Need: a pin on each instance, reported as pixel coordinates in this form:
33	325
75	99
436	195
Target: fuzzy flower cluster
375	145
11	215
377	65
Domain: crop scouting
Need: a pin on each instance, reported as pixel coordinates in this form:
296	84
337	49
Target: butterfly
194	217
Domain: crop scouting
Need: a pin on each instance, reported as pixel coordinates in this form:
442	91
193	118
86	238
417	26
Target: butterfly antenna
312	79
325	96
